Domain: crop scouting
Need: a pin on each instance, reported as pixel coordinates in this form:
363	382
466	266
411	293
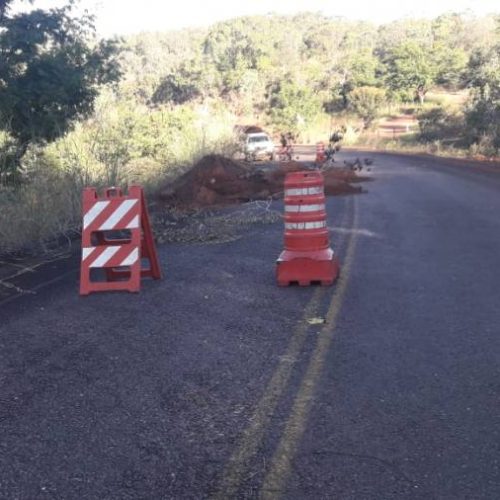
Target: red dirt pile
216	180
339	181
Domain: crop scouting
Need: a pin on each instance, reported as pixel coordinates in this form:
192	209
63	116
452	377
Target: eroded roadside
217	201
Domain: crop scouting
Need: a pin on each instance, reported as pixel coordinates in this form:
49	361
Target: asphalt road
213	383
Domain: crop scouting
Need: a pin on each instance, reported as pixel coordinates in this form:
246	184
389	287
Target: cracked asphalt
212	383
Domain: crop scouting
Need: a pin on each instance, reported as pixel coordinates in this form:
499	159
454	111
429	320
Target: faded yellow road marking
253	434
237	466
279	471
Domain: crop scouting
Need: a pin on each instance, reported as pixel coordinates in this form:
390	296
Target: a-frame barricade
117	240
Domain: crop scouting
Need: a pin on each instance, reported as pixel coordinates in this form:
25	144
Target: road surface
215	383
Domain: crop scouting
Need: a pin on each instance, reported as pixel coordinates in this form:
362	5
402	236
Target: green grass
119	146
410	143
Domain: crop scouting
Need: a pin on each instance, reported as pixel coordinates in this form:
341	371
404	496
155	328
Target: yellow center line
275	481
237	466
252	436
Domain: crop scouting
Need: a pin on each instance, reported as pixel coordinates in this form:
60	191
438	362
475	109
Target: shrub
121	144
483	121
437	124
367	102
44	207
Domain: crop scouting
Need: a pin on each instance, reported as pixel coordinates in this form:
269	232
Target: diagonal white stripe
105	256
117	215
94	212
132	258
134	223
86	252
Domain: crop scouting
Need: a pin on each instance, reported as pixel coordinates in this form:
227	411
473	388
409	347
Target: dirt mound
213	180
216	181
335	185
340	181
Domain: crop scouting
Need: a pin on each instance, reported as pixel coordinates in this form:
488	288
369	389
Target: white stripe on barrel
305	225
91	215
305	208
118	215
303	191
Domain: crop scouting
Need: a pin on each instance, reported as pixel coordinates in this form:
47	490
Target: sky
122	17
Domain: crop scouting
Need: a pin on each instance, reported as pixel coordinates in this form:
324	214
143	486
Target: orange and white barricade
116	239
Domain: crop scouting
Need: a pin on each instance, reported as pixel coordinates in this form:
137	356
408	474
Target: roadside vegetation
78	111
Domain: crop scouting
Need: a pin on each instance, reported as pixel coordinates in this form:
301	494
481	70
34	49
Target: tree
179	86
147	59
483	115
450	65
355	70
4	7
409	68
366	103
51	68
292	106
448	48
234	47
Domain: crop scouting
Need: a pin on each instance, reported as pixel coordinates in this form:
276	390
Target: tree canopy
284	69
50	70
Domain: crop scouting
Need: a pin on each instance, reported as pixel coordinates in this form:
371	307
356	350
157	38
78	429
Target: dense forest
76	110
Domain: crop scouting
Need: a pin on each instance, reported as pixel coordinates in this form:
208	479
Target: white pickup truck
258	145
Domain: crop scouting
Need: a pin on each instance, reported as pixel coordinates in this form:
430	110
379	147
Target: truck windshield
262	138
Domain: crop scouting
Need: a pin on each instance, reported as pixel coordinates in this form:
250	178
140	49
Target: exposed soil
207	226
396	126
218	181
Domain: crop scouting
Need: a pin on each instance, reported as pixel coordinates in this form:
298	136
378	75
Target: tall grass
39	210
123	143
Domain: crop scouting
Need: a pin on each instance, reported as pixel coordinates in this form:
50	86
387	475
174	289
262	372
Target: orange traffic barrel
320	152
307	256
305	215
